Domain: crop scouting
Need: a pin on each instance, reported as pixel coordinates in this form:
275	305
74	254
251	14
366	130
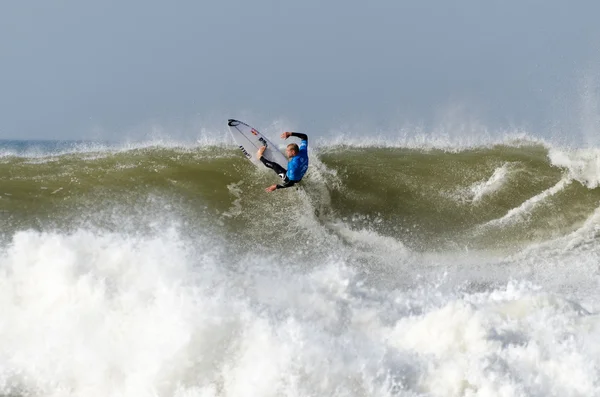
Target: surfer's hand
260	152
286	135
271	188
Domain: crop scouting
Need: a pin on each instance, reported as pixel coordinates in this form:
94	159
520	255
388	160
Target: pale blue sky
73	68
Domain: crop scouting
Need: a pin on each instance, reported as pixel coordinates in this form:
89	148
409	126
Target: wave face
390	271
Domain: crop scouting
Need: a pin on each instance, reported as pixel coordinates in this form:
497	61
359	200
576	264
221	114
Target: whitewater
407	269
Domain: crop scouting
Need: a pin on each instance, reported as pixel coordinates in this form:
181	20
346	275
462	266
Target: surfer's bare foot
260	152
271	188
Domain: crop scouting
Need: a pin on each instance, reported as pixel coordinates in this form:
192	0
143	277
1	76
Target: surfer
297	164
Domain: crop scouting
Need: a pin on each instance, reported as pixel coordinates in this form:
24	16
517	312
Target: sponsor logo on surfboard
245	152
254	132
263	140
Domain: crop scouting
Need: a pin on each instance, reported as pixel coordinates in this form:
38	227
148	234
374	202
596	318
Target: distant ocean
392	270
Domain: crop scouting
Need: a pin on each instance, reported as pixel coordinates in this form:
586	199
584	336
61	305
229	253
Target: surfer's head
292	150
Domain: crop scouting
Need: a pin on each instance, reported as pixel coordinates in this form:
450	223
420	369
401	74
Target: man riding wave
297	164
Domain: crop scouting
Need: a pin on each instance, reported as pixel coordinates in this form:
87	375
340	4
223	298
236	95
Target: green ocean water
429	199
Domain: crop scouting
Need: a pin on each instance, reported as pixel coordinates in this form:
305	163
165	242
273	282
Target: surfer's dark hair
294	147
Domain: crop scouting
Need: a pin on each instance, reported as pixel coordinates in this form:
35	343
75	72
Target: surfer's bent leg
274	166
280	171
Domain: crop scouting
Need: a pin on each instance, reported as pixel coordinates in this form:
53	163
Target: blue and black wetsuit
297	165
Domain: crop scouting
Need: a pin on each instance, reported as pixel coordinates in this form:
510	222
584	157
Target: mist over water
417	267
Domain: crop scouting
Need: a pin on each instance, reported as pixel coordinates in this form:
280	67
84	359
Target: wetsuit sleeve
300	135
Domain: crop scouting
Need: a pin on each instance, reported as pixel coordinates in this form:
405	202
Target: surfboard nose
232	122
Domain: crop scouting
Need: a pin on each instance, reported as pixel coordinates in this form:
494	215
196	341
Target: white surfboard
249	140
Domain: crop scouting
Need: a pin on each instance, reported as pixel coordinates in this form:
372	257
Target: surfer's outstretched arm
300	135
303	137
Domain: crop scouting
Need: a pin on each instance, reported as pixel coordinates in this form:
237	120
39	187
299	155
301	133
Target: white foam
235	189
493	184
510	342
478	190
89	314
583	164
102	314
40	152
522	212
411	137
584	238
417	138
